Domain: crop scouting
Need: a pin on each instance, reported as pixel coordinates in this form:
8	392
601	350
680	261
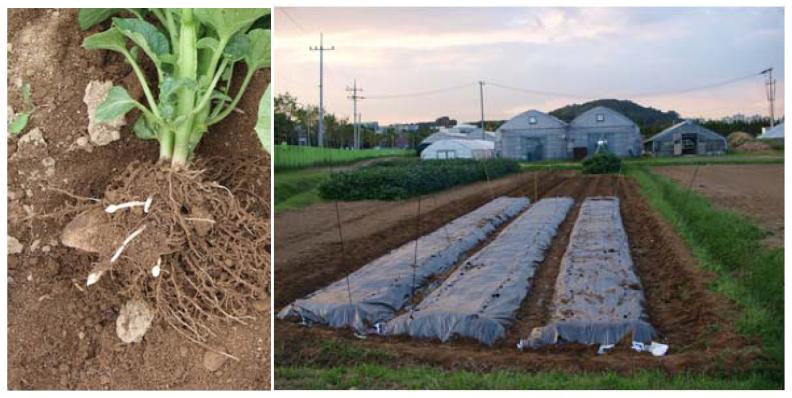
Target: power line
293	21
421	93
355	97
634	95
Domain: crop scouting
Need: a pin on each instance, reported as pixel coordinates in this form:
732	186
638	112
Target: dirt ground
756	191
60	334
687	316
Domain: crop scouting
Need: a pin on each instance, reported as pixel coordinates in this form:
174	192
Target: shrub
602	163
399	180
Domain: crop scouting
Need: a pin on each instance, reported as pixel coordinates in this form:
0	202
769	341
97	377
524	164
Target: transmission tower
770	92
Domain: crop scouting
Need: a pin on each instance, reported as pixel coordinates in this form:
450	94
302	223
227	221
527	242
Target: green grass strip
730	245
295	157
372	376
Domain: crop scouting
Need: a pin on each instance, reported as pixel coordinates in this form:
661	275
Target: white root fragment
93	277
114	208
123	246
155	271
147	205
210	221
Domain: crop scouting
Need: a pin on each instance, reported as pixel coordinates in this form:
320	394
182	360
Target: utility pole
481	97
770	91
355	97
321	50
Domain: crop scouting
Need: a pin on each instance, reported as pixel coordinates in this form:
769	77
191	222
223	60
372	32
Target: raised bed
598	297
378	290
480	299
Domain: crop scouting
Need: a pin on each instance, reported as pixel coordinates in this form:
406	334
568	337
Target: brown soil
693	320
756	191
60	334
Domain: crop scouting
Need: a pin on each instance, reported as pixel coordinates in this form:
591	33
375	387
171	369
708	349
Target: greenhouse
686	138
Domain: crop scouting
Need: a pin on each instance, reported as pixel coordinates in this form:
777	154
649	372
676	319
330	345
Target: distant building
445	121
775	133
686	138
534	136
459	149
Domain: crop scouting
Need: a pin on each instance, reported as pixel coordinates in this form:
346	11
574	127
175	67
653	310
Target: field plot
753	190
682	310
384	286
598	298
480	298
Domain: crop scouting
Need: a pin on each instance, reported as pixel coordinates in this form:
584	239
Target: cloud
590	52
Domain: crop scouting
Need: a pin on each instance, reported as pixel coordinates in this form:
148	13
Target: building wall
709	143
558	141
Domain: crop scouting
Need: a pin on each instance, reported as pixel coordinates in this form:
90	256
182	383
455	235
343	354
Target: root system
201	257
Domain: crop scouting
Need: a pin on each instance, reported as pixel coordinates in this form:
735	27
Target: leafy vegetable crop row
399	180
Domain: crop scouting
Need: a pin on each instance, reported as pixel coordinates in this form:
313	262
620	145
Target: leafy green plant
404	179
194	52
21	119
602	163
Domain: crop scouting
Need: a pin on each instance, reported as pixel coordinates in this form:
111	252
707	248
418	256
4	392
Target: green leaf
117	103
237	47
143	129
227	21
263	129
260	46
110	39
207	43
19	123
153	42
89	17
219	95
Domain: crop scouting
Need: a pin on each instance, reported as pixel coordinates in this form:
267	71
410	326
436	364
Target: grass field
732	158
295	157
724	242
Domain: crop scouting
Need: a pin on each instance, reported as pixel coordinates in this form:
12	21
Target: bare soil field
690	318
756	191
62	335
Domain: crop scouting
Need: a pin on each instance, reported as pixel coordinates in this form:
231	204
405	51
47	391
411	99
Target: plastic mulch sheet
480	299
598	297
378	290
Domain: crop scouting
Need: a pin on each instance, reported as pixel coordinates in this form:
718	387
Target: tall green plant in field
194	52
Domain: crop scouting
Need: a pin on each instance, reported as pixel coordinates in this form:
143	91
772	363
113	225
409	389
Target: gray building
533	136
686	138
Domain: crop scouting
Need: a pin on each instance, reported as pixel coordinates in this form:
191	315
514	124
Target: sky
417	64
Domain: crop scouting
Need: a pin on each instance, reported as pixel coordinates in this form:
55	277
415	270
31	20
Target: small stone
101	133
35	245
14	247
81	335
30	277
45	249
213	361
133	321
32	145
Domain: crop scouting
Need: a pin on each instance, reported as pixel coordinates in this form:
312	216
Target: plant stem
233	104
187	68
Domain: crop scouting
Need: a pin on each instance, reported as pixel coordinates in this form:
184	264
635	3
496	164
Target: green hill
649	119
